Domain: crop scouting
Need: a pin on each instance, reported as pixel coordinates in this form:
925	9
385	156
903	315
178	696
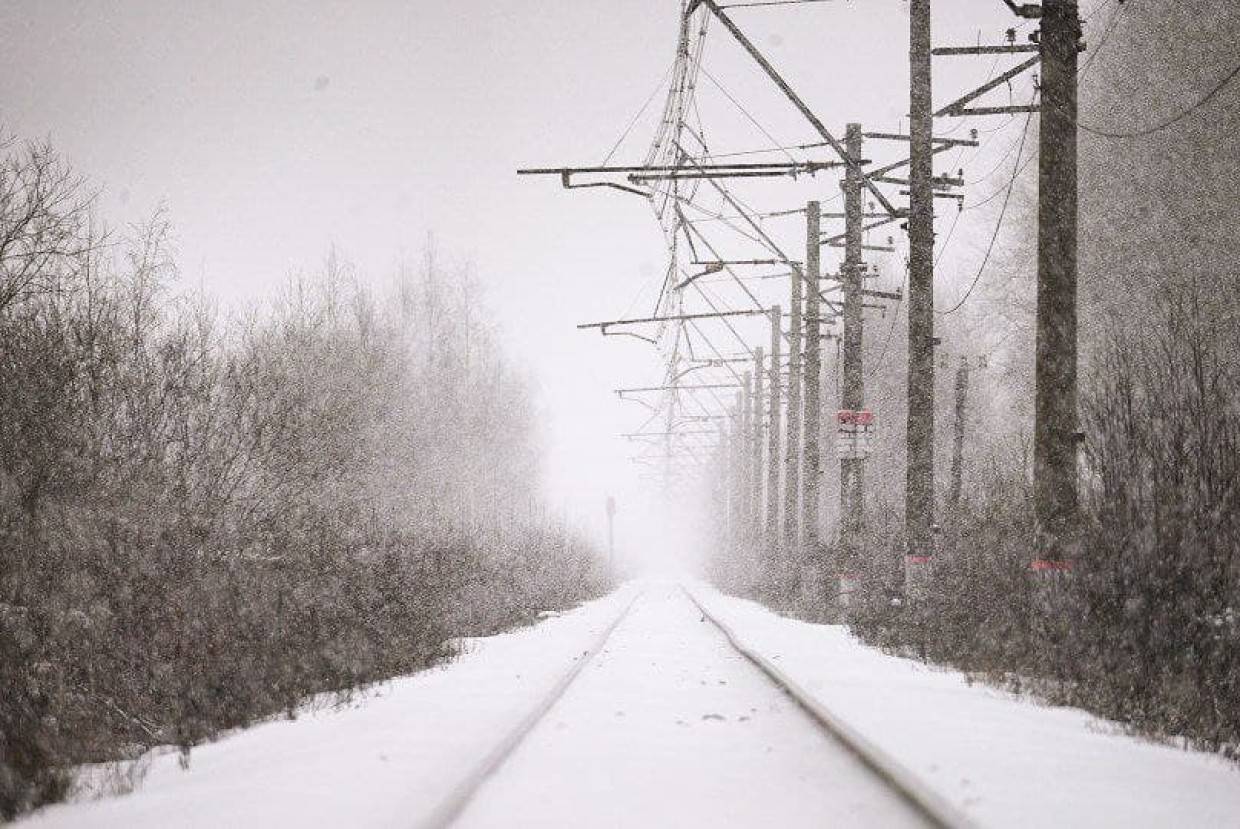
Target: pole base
917	576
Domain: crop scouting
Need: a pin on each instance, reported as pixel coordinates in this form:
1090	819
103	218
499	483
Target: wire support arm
791	95
675	318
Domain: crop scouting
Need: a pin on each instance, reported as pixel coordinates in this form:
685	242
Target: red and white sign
855	429
855	417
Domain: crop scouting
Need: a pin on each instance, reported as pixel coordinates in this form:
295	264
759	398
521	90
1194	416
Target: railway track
918	799
899	780
459	798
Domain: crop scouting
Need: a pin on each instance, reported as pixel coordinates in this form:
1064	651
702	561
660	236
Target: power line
639	114
1005	189
771	3
895	315
1006	155
1106	33
745	112
1170	121
998	224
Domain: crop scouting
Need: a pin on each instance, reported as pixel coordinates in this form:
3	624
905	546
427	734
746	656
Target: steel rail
926	802
454	805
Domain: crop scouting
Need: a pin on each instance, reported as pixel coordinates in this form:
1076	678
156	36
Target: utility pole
758	371
773	458
852	396
792	439
962	396
811	422
1055	366
729	476
611	535
743	454
919	474
673	400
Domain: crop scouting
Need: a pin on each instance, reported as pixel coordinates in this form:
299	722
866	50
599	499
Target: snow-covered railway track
617	746
901	782
454	804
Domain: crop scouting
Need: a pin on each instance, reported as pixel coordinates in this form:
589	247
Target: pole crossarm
641	173
839	237
937	181
1010	49
635	336
896	165
783	166
720	263
949	142
1013	109
957	107
801	106
772	170
675	318
640	389
896	295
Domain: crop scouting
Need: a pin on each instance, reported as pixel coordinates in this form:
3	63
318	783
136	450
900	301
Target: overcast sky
272	130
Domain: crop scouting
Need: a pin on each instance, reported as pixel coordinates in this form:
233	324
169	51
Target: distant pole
611	535
1055	362
919	474
673	401
811	421
758	479
729	475
773	463
852	393
744	495
962	396
792	434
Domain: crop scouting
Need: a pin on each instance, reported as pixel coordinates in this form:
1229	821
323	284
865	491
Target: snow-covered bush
203	522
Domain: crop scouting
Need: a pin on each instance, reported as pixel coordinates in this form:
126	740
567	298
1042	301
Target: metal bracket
956	107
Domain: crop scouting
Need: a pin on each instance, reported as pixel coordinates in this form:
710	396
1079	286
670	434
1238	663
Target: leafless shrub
202	523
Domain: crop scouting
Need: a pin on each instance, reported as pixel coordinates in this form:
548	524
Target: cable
771	3
998	224
895	317
996	194
744	111
639	114
986	176
1106	33
1170	121
947	239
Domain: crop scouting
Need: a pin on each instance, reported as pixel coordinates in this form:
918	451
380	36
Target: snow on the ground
385	761
670	727
1004	760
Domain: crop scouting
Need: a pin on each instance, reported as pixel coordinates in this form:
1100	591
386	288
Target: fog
270	132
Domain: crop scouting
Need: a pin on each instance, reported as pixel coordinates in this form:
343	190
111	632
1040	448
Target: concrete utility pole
1055	367
811	422
792	438
759	370
852	395
773	463
611	534
734	468
919	473
744	453
962	397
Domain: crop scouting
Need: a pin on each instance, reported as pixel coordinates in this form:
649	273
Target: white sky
271	130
